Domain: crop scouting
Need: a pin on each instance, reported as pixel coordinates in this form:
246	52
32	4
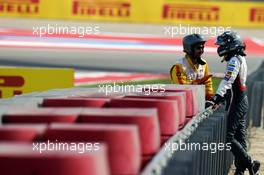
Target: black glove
208	104
217	99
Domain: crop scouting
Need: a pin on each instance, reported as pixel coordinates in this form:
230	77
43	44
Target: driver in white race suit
231	48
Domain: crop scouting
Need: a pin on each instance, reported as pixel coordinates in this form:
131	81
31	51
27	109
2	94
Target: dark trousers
236	132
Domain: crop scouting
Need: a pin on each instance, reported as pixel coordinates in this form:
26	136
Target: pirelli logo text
12	84
256	15
19	6
191	12
101	9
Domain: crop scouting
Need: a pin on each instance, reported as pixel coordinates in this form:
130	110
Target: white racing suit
235	82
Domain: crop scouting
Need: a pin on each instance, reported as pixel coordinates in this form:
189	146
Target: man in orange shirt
193	69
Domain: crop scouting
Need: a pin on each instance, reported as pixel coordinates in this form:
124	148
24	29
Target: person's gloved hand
217	100
208	104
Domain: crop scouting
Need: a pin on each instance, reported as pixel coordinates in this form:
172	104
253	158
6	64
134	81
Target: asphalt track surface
106	60
123	61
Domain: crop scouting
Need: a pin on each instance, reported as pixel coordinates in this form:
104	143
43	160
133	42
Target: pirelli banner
239	14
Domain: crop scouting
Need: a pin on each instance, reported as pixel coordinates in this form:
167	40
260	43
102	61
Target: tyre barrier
206	127
255	86
133	130
18	158
257	103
